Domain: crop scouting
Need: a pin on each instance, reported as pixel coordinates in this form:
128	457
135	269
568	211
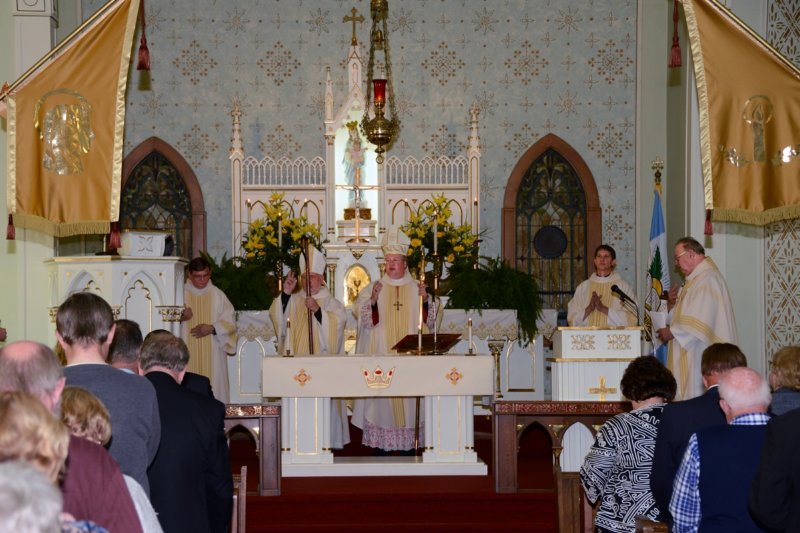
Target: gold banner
65	129
749	110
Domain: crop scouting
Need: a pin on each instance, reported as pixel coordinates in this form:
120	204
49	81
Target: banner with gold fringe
66	119
749	111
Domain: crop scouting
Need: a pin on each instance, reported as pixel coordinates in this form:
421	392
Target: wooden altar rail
263	422
510	421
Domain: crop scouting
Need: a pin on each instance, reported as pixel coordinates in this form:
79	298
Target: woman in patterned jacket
616	470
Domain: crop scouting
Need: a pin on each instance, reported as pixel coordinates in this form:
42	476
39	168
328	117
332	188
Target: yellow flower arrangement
455	244
277	236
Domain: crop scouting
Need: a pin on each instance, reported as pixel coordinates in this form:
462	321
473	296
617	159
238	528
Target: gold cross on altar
354	18
602	390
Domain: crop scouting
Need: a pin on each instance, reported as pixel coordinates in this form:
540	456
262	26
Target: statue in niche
353	162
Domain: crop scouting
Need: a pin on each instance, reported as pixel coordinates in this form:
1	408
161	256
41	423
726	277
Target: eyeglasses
677	257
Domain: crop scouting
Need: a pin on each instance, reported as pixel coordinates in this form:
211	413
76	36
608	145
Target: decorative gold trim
302	377
170	313
454	376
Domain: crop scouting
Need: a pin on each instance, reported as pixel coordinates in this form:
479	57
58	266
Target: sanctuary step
441	503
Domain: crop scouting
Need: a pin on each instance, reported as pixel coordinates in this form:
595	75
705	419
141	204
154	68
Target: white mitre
395	242
316	262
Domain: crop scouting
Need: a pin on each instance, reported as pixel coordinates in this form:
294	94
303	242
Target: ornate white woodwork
147	290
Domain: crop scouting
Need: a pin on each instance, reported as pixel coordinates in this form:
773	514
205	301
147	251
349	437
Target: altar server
208	327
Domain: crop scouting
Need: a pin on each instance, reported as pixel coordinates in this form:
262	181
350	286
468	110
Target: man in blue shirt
715	497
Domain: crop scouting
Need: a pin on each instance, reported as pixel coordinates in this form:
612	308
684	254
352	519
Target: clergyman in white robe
619	313
702	316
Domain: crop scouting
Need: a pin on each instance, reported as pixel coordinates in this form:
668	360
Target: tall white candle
435	235
469	334
280	234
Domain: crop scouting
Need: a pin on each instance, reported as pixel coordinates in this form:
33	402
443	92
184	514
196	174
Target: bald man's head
34	368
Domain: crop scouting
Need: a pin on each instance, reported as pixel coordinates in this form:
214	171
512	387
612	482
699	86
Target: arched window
551	219
160	191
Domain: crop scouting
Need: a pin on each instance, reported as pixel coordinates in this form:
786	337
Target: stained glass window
155	197
551	228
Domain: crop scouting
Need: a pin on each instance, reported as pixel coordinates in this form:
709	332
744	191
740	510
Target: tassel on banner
114	238
144	52
11	231
709	229
675	53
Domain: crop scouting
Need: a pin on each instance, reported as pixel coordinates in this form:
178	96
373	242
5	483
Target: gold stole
596	318
298	314
683	356
201	350
398	321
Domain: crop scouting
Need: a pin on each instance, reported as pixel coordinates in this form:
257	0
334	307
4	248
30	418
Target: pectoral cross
397	305
602	390
354	18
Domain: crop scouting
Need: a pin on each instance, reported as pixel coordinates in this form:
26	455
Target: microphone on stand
625	298
619	292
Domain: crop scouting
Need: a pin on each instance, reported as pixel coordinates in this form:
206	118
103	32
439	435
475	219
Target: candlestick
436	234
280	234
286	339
469	334
476	222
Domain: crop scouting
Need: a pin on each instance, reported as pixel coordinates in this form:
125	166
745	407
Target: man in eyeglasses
702	315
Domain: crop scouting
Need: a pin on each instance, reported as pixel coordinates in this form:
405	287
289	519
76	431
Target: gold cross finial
353	18
602	390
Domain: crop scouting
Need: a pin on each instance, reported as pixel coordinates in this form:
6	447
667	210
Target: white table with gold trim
447	384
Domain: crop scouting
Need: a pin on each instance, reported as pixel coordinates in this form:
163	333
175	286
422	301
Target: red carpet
446	503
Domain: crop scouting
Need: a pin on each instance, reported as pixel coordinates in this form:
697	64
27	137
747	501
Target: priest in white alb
313	306
387	311
702	315
605	299
208	326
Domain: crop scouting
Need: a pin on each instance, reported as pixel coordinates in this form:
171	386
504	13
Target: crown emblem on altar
378	379
352	125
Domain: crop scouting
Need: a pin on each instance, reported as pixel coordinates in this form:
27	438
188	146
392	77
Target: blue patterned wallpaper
534	67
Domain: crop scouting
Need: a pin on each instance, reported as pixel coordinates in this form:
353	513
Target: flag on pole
657	273
66	118
748	97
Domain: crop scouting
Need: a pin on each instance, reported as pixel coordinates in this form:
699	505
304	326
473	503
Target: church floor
394	504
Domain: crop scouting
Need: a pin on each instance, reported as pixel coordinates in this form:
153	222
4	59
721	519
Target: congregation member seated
784	379
617	474
712	485
92	487
680	420
85	416
192	486
85	329
30	433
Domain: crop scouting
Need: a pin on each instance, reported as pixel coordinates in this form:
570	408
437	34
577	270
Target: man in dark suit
194	382
680	420
775	492
192	486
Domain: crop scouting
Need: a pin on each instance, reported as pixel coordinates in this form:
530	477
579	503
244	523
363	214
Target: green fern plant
493	284
249	286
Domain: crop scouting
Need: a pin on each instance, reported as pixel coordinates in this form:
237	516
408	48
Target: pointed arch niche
160	191
551	219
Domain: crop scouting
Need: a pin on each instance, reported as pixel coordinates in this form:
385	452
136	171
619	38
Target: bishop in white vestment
387	311
290	314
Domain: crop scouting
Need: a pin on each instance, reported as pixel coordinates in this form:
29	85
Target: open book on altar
431	344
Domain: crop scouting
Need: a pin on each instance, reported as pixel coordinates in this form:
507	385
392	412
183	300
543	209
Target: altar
447	384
